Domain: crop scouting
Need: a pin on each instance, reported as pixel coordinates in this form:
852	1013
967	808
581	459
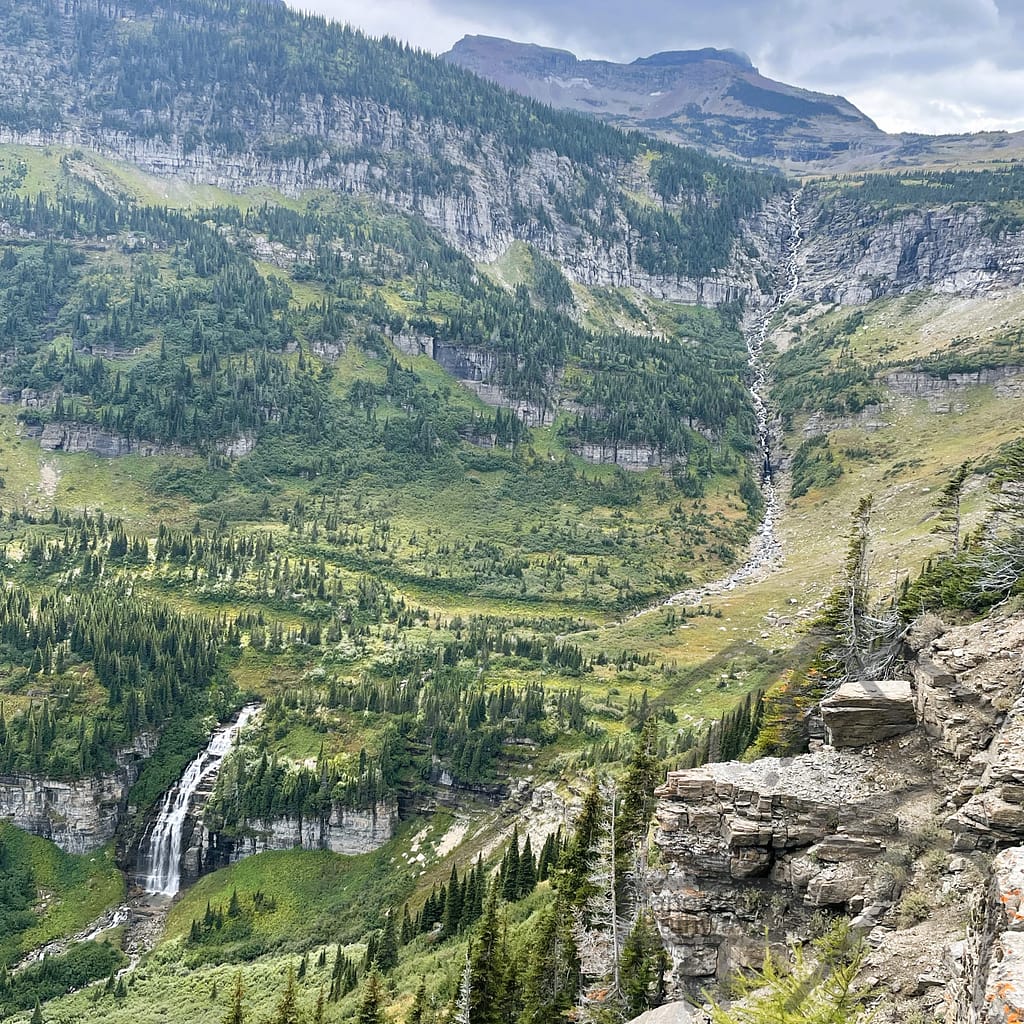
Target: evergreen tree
371	1004
642	966
287	1011
552	974
583	851
236	1013
526	879
510	869
418	1010
948	505
387	950
487	979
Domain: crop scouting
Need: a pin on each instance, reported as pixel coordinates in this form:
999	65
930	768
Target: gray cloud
913	65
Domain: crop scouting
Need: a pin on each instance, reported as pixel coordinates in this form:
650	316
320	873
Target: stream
765	549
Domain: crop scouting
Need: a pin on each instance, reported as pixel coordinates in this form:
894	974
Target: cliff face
853	253
344	831
870	831
481	212
78	816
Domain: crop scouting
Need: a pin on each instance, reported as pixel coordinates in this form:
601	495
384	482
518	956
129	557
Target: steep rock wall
80	815
345	830
854	253
479	212
765	847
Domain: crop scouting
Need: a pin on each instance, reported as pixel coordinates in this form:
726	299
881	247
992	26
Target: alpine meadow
498	538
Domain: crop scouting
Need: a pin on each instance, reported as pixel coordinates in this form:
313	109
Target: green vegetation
82	964
46	894
816	989
814	465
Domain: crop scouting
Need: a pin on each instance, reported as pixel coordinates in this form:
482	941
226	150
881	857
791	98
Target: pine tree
387	950
408	929
641	777
526	879
948	505
371	1003
287	1009
642	966
583	851
552	975
236	1014
510	870
487	968
418	1010
453	904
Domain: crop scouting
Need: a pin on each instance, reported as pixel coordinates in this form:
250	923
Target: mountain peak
681	58
714	99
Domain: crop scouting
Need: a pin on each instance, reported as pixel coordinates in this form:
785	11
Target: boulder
864	712
671	1013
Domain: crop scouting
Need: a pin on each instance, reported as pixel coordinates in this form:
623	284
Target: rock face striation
776	837
855	253
864	712
81	815
854	826
345	830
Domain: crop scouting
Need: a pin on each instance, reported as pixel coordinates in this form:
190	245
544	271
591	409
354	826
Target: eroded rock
863	712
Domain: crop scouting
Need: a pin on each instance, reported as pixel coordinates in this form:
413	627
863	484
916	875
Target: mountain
718	101
241	95
410	493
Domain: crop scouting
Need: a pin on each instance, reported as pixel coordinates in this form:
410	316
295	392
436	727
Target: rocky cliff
897	834
80	815
854	252
346	831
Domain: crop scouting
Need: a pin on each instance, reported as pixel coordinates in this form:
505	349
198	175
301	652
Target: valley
400	481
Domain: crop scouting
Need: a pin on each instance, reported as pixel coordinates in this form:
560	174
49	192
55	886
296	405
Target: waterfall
765	548
163	858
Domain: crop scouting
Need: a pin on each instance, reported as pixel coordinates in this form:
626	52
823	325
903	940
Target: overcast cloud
912	65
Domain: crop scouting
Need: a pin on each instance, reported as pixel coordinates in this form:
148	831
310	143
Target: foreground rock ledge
863	712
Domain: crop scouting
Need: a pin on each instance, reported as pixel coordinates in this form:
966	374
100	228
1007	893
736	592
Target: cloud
922	65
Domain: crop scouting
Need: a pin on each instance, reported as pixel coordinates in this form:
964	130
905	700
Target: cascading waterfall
163	849
765	548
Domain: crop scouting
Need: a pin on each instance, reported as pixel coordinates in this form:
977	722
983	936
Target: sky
930	66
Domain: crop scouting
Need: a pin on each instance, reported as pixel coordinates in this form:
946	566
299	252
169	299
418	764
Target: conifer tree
387	950
642	966
552	974
418	1010
526	879
510	869
487	968
287	1011
236	1013
371	1009
583	851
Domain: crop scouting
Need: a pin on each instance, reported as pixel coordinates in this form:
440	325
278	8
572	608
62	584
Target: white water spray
163	858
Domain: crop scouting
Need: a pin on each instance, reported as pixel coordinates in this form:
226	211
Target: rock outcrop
802	834
987	986
346	831
772	845
854	253
79	815
865	711
108	444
